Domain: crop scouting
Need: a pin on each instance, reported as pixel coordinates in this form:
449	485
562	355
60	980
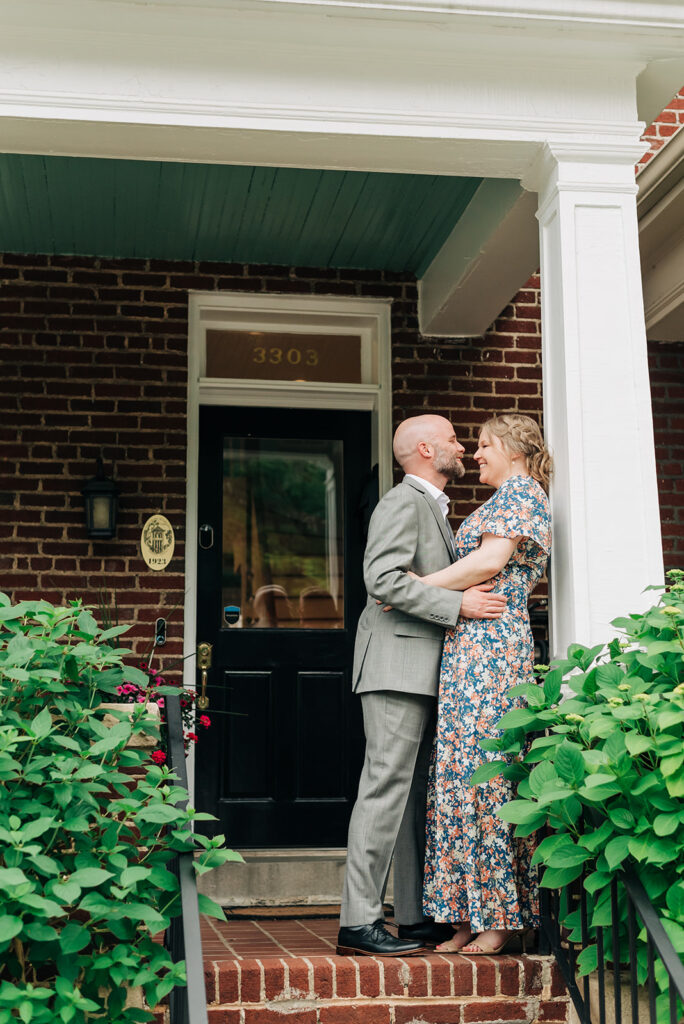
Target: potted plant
85	882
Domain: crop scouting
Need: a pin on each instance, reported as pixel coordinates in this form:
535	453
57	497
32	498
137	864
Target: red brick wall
666	363
94	360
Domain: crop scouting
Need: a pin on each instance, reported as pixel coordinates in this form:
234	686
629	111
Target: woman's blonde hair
521	434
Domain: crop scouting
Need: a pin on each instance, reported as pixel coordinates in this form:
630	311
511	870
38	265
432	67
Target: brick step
432	989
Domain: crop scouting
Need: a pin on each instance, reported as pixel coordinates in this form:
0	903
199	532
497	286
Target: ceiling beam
488	256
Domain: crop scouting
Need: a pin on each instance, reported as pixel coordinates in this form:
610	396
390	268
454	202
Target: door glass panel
283	534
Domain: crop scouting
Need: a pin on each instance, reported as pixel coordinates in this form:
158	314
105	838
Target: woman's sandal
478	949
450	947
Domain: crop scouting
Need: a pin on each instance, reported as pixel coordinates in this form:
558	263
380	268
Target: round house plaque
157	542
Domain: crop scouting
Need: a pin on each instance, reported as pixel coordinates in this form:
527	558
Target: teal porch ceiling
185	211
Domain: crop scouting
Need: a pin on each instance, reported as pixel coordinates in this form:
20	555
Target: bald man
396	672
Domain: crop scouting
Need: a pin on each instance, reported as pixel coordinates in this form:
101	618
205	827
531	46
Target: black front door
280	590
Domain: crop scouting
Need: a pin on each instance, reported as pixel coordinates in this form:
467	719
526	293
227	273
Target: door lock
203	664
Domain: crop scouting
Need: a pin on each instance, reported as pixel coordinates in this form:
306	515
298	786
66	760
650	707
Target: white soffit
656	85
488	256
661	241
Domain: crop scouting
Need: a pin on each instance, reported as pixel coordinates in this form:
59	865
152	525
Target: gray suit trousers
389	813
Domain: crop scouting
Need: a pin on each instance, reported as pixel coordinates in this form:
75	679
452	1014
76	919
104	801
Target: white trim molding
369	318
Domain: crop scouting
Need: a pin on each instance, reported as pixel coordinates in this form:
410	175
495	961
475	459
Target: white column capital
596	168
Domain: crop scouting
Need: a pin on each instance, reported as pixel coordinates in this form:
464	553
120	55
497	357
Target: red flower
205	721
193	737
158	756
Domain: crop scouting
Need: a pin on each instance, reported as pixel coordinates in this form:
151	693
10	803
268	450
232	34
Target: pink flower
158	756
205	721
160	702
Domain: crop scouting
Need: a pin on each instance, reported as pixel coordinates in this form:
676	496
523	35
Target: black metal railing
564	913
183	940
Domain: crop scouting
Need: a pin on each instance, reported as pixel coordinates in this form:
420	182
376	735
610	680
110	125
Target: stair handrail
187	1005
659	946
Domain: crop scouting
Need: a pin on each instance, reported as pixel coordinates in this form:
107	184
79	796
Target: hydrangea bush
606	777
85	846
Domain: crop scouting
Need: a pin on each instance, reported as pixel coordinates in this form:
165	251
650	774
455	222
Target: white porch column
597	401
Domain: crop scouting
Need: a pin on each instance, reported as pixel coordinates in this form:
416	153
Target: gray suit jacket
402	649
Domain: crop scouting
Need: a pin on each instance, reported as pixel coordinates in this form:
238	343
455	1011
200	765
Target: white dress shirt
439	496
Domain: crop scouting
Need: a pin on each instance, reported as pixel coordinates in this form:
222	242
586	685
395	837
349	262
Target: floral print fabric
475	869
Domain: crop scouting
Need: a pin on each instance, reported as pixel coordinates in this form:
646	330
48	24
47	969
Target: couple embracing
446	617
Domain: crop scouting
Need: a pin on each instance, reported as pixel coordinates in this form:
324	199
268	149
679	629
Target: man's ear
425	450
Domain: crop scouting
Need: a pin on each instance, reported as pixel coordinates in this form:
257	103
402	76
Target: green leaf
675	933
9	877
621	817
675	787
552	686
36	828
209	907
134	874
519	812
666	824
596	880
40	932
88	877
9	927
41	724
569	763
49	907
159	814
637	744
675	900
46	865
486	772
556	878
669	765
639	847
543	777
118	734
588	958
597	839
647	782
616	851
73	938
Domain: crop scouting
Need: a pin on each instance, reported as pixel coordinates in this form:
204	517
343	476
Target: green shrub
607	778
84	847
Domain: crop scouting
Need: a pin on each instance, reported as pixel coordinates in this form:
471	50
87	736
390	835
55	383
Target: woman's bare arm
480	565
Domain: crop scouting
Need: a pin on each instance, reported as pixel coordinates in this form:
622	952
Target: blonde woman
477	875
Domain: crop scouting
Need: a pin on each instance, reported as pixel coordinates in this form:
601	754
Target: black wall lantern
101	502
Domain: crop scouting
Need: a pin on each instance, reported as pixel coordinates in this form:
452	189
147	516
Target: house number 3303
293	356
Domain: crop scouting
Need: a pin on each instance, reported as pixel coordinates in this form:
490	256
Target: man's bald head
427	446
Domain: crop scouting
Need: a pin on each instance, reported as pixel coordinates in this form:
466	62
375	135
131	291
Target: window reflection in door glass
282	534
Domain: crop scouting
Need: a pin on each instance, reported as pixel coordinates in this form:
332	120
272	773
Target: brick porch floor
286	972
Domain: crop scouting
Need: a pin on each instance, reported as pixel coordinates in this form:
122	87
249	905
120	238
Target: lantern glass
101	500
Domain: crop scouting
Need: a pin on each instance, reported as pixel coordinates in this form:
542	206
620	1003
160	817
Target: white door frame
369	318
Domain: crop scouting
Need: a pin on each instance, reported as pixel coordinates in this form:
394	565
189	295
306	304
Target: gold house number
293	356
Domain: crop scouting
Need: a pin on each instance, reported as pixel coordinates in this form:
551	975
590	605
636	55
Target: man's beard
450	465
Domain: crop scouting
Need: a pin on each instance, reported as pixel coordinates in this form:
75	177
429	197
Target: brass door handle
204	652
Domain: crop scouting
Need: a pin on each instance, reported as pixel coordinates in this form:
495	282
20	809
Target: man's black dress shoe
375	940
429	932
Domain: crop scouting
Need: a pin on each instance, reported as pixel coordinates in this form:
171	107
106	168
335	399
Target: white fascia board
297	85
488	256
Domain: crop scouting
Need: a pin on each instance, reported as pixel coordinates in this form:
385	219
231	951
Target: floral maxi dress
475	869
